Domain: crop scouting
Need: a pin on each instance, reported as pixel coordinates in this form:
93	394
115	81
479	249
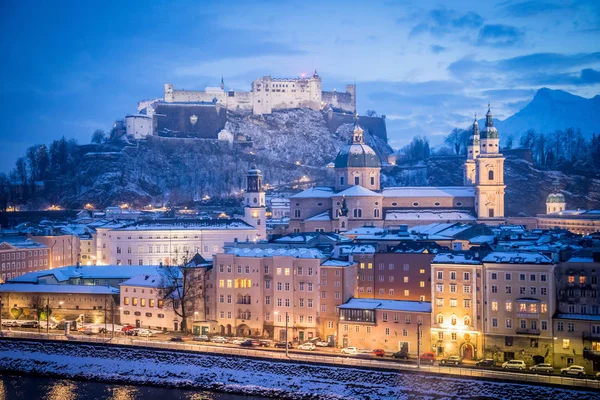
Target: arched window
453	320
467	321
296	213
356	180
372	181
491	175
440	319
376	213
343	224
341	181
357	213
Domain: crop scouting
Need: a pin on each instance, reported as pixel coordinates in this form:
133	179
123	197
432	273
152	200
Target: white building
138	126
142	304
167	241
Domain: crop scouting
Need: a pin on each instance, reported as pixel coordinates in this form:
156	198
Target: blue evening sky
71	67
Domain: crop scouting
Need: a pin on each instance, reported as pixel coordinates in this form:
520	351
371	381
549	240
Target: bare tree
181	291
37	304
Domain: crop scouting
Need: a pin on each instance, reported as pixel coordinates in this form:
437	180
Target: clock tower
254	203
489	175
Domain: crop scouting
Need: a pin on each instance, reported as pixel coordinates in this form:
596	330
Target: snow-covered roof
580	317
440	229
314	192
358	191
391	305
297	252
482	239
154	280
324	216
515	257
454	258
580	260
429	191
187	224
336	263
365	230
67	289
88	272
357	249
429	215
21	243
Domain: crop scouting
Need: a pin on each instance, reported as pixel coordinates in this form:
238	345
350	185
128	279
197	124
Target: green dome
357	155
555	198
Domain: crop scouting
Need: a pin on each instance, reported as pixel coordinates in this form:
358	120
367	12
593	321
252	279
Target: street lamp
419	344
286	334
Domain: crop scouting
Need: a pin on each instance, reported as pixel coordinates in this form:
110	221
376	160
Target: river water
37	388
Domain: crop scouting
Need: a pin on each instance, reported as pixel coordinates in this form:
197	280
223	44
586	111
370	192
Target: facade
19	256
254	203
395	276
518	303
138	126
64	249
390	325
457	315
142	304
167	241
577	318
581	222
356	199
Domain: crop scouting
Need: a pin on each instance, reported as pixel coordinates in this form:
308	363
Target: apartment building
390	325
457	306
577	319
143	306
338	285
518	296
63	248
19	255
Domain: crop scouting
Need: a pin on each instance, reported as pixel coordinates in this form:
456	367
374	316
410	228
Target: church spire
488	117
357	138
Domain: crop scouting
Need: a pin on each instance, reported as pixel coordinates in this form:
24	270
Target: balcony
591	336
591	355
528	315
521	331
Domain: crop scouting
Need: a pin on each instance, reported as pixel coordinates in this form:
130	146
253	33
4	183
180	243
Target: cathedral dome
357	154
555	198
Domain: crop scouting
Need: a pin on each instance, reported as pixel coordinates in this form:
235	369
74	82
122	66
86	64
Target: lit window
221	283
494	306
566	343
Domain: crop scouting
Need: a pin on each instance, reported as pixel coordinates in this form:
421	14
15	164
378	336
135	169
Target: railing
345	361
521	331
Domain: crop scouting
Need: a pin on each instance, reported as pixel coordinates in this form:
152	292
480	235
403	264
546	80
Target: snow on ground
250	376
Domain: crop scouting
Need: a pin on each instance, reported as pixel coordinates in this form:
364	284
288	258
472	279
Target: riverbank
266	378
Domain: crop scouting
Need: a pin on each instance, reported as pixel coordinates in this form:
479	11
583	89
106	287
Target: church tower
254	203
473	150
489	174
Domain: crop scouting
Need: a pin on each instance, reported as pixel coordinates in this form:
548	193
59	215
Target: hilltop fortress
202	114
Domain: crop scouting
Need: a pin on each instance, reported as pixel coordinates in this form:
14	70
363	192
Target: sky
72	67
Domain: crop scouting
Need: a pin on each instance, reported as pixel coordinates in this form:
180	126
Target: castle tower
169	96
222	83
357	164
489	175
254	203
473	150
555	203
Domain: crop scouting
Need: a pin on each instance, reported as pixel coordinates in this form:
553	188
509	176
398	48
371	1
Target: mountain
552	110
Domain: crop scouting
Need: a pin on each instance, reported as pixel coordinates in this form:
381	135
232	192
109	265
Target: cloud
531	8
437	49
443	21
499	36
533	70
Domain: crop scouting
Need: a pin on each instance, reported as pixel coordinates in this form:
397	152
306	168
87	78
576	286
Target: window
566	343
494	276
384	316
509	323
522	277
507	276
440	275
543	308
544	325
491	175
570	327
494	289
406	292
559	326
453	302
495	322
453	320
287	271
422	284
439	288
357	213
467	321
453	336
267	300
387	331
508	289
467	303
508	306
571	279
467	289
494	306
453	288
267	284
466	276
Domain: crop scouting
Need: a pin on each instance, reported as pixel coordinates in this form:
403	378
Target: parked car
597	375
321	343
378	353
145	333
515	364
486	362
401	354
453	360
200	338
576	370
350	350
29	324
10	323
176	339
265	343
219	339
247	343
281	345
427	357
547	368
238	340
126	328
307	346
